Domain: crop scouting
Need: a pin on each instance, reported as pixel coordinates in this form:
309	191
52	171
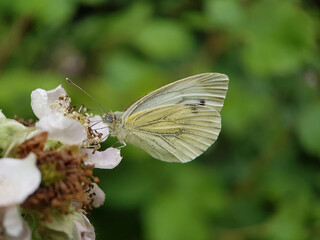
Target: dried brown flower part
65	179
27	123
35	144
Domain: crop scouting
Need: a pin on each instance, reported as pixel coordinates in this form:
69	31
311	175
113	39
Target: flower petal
12	226
84	227
24	235
63	129
12	221
39	103
41	100
54	94
18	179
2	116
98	195
106	159
98	125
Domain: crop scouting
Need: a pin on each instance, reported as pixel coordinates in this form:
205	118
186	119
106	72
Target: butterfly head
113	120
109	118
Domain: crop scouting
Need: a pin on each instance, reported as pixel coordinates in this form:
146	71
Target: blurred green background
261	178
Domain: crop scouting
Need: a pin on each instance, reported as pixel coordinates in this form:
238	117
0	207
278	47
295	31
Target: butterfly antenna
92	98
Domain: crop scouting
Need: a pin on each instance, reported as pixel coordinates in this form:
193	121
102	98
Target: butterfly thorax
114	121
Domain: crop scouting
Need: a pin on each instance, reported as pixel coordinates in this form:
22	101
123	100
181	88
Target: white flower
95	196
13	226
98	195
51	120
106	159
42	99
18	179
98	125
73	128
74	226
57	118
84	228
61	128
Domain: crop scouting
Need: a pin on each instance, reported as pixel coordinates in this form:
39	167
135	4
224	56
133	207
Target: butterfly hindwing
174	133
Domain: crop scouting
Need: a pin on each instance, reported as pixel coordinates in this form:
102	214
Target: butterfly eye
109	118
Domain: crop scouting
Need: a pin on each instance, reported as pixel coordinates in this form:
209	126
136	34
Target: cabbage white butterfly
175	123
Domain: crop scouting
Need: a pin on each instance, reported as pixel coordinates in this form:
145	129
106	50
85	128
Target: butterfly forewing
174	133
210	88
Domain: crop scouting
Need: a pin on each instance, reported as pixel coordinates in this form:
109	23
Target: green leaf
308	129
225	13
164	40
53	12
278	44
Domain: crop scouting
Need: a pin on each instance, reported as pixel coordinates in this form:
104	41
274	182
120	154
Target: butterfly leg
123	144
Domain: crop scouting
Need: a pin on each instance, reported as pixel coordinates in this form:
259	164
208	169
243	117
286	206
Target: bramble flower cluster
47	186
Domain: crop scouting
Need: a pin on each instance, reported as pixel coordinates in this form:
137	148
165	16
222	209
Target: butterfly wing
208	89
174	133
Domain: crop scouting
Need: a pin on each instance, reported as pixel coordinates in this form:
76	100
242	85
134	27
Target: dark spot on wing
182	100
202	102
193	108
